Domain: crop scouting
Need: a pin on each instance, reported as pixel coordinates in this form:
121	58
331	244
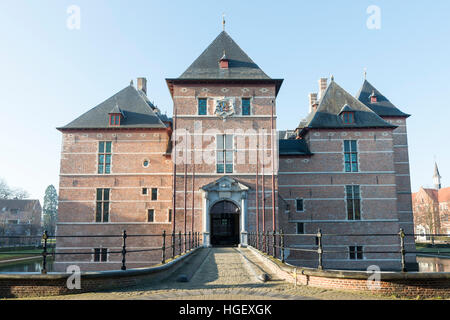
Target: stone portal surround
225	188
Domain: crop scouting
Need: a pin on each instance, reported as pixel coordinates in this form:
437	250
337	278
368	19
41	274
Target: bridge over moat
225	273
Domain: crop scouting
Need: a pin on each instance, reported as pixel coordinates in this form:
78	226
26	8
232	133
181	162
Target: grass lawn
19	254
439	249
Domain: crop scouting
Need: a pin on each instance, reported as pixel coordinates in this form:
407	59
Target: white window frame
303	205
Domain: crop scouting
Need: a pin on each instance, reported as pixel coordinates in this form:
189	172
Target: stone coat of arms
224	107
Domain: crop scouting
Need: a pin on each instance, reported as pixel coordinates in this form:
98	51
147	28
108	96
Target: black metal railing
181	243
274	244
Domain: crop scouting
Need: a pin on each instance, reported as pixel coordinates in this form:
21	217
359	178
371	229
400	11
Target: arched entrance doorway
224	223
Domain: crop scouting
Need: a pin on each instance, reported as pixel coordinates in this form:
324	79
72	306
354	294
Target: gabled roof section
240	66
116	110
383	107
137	110
346	108
335	99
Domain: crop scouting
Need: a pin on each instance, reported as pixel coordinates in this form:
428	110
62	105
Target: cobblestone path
220	274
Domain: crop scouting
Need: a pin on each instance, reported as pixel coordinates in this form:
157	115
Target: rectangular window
144	191
224	152
245	106
347	117
355	252
114	120
300	228
154	193
100	254
299	205
102	208
170	215
202	106
150	215
104	157
353	202
351	156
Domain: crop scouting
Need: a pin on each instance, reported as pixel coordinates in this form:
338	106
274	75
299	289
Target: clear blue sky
50	75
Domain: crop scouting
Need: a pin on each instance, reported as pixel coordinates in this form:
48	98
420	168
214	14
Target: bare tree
428	216
6	192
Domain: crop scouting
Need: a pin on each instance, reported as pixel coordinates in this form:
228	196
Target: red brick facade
318	178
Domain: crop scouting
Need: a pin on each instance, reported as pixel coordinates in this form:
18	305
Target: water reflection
28	266
433	264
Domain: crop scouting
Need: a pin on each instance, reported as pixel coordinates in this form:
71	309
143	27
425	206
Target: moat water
27	266
426	264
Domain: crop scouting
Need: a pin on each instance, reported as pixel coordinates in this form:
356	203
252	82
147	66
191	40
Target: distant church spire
436	177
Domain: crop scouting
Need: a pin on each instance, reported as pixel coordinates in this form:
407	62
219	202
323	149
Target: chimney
142	84
312	101
323	82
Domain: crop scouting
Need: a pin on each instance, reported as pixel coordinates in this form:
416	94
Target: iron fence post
173	244
266	242
260	242
320	248
274	244
190	241
124	250
402	248
282	245
44	253
164	247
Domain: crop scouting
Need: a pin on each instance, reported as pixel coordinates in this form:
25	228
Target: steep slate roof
240	66
292	147
383	107
20	204
330	105
137	110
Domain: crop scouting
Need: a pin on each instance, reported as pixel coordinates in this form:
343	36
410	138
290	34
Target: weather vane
223	21
365	73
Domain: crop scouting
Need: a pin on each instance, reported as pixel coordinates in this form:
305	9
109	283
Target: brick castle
344	169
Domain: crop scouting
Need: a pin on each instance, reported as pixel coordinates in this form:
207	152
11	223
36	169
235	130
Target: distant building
20	218
431	209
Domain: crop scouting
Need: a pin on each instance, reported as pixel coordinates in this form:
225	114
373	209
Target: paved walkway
220	274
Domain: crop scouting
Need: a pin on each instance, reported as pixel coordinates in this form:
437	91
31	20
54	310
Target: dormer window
114	119
348	117
115	116
373	97
347	114
223	62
